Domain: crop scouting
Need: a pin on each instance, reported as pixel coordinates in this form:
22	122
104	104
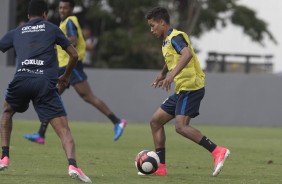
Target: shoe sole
35	141
220	165
3	167
75	175
159	174
141	174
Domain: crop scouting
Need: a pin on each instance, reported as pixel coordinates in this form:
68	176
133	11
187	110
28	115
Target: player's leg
60	125
85	92
159	119
49	107
163	115
219	153
188	107
183	128
16	100
6	129
79	81
39	137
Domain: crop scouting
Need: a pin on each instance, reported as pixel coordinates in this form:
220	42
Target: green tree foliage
205	15
252	26
125	40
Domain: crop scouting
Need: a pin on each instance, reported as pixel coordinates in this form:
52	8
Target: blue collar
169	31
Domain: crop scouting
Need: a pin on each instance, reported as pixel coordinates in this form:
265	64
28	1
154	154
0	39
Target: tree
205	15
124	36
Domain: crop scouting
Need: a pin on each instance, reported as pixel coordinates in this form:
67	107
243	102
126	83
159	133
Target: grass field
255	156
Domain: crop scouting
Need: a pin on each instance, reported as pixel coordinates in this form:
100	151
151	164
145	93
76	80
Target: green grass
255	155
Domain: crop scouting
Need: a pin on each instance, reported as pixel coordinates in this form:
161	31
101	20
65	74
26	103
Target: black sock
72	162
161	153
43	128
113	118
5	151
208	144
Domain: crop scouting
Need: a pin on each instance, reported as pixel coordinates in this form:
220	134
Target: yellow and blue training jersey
70	27
192	76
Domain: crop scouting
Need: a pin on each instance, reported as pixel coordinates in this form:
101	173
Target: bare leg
6	124
159	119
183	128
60	125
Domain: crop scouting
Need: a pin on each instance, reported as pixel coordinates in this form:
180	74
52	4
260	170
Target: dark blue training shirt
34	43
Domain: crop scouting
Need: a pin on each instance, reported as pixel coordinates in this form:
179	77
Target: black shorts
41	91
77	74
185	103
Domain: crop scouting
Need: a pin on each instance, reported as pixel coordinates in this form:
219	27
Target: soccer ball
147	162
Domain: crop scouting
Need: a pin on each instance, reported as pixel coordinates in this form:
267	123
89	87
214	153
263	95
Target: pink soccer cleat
4	163
161	171
76	173
220	154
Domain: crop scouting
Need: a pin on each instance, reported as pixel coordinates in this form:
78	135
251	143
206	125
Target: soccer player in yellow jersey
35	80
71	28
182	67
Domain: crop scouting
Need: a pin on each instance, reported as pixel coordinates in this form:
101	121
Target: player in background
71	28
35	80
182	67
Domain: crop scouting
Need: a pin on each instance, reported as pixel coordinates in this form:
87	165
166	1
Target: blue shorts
77	74
185	103
41	91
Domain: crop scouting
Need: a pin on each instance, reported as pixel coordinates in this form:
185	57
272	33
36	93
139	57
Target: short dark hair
37	8
71	2
158	13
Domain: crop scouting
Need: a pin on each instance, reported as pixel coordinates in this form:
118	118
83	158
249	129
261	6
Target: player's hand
158	82
63	81
166	85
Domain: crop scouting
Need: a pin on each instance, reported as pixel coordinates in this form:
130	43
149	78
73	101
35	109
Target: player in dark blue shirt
35	80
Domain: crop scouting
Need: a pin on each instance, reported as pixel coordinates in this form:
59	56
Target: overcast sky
232	39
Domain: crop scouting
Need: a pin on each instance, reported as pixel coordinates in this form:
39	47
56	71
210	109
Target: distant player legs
85	92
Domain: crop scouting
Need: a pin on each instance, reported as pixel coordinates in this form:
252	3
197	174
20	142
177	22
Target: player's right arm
72	61
64	79
72	33
158	81
69	48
